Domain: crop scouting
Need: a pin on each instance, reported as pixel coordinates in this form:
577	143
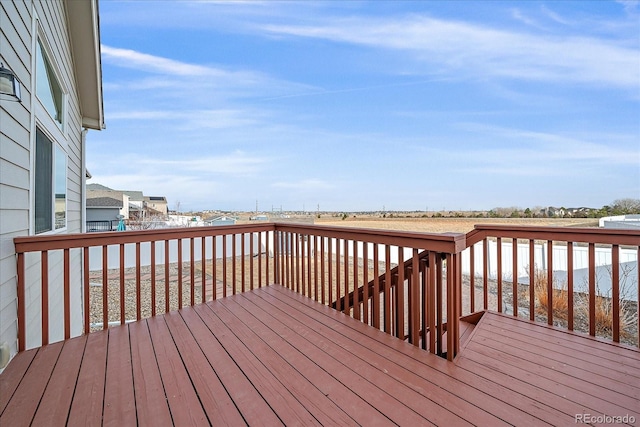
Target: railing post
21	304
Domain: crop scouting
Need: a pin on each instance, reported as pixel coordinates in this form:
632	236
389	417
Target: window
48	87
50	185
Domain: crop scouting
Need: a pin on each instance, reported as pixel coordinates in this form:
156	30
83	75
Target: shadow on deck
271	356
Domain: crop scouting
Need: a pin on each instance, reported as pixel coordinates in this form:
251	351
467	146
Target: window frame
54	131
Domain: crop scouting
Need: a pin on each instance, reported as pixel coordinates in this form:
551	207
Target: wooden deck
273	357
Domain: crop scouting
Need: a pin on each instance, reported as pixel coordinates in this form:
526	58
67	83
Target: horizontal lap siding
15	46
16	42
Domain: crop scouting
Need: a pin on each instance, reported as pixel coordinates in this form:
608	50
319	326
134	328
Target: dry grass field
445	225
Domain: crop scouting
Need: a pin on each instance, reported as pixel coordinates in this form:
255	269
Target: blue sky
363	105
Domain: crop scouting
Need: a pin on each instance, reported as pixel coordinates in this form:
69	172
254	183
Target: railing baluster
472	280
203	268
485	275
365	282
499	274
224	266
532	283
615	294
400	303
302	258
376	287
251	261
192	272
275	260
267	266
356	296
514	276
592	289
105	285
122	290
67	296
22	310
322	271
346	277
242	263
153	277
431	301
166	276
387	289
338	285
138	296
438	309
233	264
550	282
330	268
570	286
179	273
414	292
309	284
86	305
44	289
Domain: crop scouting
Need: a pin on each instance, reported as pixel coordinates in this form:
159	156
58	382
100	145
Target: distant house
103	213
108	193
53	48
136	204
156	205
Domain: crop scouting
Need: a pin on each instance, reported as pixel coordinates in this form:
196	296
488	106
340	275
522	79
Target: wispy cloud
473	50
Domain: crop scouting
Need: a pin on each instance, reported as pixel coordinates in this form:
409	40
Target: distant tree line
617	207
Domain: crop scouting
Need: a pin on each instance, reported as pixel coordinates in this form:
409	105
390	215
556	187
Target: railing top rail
78	240
610	236
444	242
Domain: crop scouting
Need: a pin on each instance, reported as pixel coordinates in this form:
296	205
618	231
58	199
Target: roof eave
84	31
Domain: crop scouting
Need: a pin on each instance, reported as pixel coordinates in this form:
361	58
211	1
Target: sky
356	106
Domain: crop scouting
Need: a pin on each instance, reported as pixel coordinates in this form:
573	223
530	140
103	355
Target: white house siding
17	136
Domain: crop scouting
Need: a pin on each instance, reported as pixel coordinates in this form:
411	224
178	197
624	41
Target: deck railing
415	286
135	274
573	278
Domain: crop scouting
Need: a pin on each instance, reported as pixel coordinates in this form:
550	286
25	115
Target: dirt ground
453	225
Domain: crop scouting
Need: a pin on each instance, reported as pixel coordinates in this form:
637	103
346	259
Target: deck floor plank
184	404
434	369
214	398
277	390
386	374
56	400
579	374
27	396
88	397
152	408
275	357
311	363
247	399
11	378
119	398
597	355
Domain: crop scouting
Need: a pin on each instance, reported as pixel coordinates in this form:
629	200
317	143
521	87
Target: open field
454	225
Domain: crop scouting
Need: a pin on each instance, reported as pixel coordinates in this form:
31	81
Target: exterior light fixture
9	84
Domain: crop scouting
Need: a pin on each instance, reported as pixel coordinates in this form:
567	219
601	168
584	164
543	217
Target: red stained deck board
119	400
383	373
273	388
578	347
88	398
610	386
318	370
246	398
26	398
272	356
183	400
152	408
211	392
11	378
433	369
56	401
